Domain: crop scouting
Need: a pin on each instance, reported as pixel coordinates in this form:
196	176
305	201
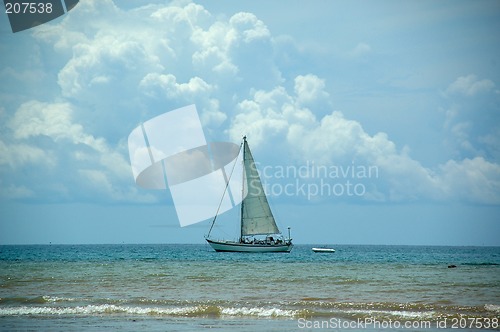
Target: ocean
193	288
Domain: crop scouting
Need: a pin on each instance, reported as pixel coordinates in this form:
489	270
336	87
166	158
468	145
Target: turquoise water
192	288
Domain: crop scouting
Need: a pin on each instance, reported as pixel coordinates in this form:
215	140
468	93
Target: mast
242	189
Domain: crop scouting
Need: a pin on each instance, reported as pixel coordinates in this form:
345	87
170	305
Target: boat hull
323	250
230	246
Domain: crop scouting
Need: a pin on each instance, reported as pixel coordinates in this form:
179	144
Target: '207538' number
28	7
475	323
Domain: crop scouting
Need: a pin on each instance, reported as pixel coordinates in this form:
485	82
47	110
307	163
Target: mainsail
256	216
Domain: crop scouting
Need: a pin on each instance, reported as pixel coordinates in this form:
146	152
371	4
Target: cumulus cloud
266	115
35	118
113	75
167	85
75	159
102	62
235	49
18	154
310	89
110	68
475	180
195	91
177	54
277	115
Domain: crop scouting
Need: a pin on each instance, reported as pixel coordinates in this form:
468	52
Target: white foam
117	309
58	299
259	312
399	314
492	307
94	309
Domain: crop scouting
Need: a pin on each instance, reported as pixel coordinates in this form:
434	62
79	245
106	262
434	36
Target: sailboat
258	231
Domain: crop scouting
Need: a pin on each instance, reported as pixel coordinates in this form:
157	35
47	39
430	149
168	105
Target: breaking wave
193	311
306	307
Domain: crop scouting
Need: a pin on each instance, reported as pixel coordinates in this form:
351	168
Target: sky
372	122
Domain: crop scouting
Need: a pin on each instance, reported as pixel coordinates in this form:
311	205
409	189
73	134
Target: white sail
256	216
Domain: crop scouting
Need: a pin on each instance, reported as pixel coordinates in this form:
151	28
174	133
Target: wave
34	300
190	311
310	307
317	307
353	310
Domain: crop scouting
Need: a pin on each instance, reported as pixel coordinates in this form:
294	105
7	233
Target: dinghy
331	250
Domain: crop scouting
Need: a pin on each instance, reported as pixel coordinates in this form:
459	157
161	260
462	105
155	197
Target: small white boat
323	250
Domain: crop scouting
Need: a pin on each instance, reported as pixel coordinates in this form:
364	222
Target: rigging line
225	189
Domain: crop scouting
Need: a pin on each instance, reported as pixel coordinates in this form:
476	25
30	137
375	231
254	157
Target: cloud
16	155
167	85
267	115
108	69
36	118
99	184
276	115
76	160
100	63
235	49
195	91
15	192
176	54
183	18
310	89
475	180
361	50
471	118
470	85
338	140
277	112
112	74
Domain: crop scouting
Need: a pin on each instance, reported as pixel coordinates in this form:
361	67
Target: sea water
193	288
